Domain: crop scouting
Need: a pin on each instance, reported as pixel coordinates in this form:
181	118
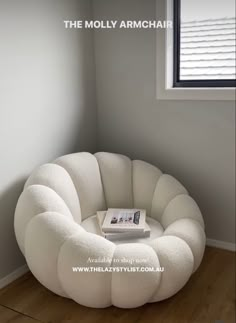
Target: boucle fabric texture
55	213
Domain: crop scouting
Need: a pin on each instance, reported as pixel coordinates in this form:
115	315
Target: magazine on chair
124	220
121	235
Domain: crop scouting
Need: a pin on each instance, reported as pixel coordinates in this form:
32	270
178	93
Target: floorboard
7	315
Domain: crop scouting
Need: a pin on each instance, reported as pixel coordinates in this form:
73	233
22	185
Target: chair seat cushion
91	225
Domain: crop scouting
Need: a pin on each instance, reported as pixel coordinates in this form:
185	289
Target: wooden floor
209	297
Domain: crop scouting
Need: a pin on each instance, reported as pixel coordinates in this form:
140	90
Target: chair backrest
88	183
108	180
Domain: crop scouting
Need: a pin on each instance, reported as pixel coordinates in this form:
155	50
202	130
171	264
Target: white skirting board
13	276
221	244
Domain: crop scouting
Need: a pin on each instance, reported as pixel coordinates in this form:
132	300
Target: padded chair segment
116	173
134	289
88	289
50	234
44	238
57	178
193	234
84	171
180	207
177	259
34	200
166	189
145	178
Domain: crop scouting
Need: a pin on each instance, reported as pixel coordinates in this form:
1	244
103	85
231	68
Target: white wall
47	98
192	140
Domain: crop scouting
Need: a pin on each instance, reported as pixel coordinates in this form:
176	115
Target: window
204	43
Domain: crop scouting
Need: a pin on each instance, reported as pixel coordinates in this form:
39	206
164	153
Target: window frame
177	83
